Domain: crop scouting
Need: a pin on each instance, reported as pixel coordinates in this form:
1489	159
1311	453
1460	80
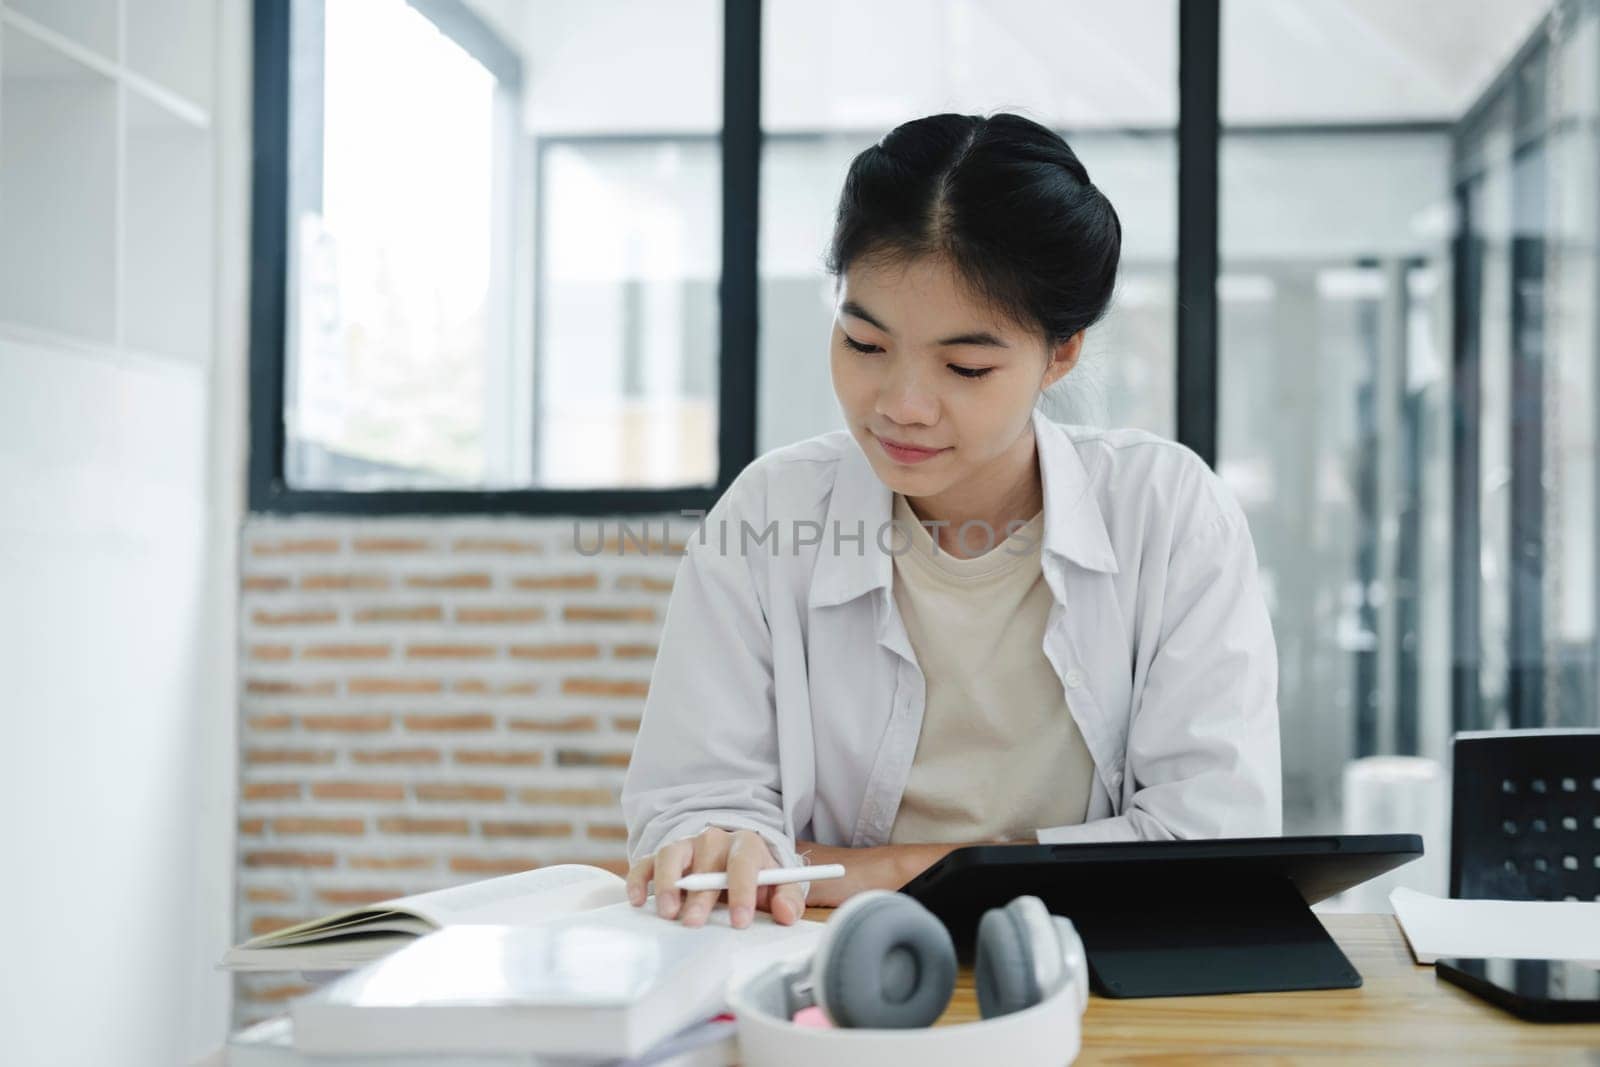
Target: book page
519	899
338	924
393	922
513	899
764	941
339	954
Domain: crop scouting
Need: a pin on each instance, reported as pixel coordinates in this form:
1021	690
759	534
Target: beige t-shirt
999	753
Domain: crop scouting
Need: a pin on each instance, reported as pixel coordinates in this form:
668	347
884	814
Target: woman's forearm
877	867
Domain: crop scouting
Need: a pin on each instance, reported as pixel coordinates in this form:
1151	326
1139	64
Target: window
400	290
630	243
1409	432
823	102
501	228
1525	179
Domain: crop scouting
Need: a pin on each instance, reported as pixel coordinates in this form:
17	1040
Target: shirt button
1073	679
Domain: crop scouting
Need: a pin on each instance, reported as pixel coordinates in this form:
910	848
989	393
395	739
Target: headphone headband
1045	1035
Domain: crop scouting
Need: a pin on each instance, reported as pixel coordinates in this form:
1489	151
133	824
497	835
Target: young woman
958	621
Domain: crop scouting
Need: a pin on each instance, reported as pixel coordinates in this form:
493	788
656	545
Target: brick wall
425	702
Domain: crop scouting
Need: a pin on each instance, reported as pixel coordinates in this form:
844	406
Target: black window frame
741	140
268	490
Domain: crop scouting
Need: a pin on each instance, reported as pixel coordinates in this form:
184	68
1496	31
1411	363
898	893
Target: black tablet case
1176	918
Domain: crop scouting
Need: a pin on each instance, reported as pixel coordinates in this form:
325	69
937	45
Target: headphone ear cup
886	962
1074	960
1004	971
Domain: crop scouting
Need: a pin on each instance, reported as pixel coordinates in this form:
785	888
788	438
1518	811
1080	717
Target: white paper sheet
1498	929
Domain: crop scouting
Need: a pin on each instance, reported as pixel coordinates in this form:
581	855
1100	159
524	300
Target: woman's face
941	374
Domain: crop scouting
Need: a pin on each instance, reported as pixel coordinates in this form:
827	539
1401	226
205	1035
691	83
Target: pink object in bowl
812	1017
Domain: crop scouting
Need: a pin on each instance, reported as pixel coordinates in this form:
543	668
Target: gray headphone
886	962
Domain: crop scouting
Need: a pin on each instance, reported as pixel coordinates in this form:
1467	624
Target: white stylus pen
771	876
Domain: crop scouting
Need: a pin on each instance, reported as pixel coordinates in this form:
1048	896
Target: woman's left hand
878	867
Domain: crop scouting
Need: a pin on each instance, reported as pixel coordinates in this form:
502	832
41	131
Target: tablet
1541	990
1162	918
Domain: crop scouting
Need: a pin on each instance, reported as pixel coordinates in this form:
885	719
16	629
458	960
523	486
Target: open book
348	939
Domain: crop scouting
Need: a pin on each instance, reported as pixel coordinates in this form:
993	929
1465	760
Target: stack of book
550	966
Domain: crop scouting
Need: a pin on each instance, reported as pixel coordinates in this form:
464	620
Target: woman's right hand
741	853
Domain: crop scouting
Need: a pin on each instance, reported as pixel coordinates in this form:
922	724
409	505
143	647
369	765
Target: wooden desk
1401	1013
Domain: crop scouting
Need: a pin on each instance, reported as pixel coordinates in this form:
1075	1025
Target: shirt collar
1074	528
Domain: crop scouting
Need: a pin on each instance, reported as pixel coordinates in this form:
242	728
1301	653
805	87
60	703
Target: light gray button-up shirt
786	697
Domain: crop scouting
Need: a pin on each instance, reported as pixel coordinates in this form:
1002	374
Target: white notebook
356	936
611	982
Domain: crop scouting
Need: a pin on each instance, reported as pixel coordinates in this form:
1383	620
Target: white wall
120	502
107	770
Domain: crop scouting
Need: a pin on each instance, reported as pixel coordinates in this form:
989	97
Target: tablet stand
1216	933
